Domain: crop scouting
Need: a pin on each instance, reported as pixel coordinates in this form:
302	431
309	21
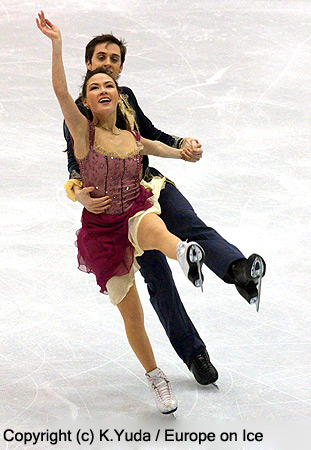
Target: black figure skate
247	275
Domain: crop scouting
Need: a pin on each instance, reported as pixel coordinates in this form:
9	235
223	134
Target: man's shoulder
125	90
129	98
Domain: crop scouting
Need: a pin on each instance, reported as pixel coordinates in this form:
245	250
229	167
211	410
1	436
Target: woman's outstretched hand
191	150
47	28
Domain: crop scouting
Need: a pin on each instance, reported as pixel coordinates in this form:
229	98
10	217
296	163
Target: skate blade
199	282
200	273
257	272
171	414
259	293
215	386
196	256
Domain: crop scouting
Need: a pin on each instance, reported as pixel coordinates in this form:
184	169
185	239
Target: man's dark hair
102	39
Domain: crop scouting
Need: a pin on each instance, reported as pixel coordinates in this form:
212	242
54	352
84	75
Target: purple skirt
103	245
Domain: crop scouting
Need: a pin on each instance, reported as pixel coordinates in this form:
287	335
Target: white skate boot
190	256
162	391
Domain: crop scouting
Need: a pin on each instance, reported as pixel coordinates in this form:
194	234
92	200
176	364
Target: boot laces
202	362
162	388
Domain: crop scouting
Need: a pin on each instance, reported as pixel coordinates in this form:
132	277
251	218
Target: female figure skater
110	159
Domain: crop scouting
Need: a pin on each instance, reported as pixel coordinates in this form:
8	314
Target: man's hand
93	205
191	149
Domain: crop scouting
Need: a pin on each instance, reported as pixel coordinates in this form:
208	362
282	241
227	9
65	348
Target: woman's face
102	95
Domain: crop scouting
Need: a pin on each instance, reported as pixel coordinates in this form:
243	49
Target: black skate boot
247	275
203	370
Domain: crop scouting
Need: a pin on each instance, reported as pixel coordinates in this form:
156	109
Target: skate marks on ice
57	356
209	81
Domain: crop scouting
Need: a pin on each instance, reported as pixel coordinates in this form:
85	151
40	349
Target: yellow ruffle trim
69	188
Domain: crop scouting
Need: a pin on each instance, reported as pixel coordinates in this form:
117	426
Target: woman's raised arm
76	122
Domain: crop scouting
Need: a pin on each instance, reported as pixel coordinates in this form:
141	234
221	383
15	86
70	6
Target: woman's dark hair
90	74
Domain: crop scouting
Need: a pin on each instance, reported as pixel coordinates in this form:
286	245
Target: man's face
108	56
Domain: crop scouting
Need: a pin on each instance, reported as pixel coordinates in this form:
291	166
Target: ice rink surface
236	75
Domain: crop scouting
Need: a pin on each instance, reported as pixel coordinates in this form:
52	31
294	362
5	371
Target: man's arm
146	127
149	131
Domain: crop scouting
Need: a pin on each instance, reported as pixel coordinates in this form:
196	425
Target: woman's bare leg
152	234
133	316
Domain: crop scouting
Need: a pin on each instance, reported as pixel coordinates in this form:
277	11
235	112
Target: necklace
116	133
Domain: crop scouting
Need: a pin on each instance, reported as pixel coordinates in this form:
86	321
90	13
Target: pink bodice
119	178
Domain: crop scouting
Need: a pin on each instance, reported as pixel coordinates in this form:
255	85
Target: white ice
235	74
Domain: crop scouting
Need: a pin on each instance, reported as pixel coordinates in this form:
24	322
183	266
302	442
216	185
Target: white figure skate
162	391
190	256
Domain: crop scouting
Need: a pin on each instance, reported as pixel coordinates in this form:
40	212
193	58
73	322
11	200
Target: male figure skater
224	259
